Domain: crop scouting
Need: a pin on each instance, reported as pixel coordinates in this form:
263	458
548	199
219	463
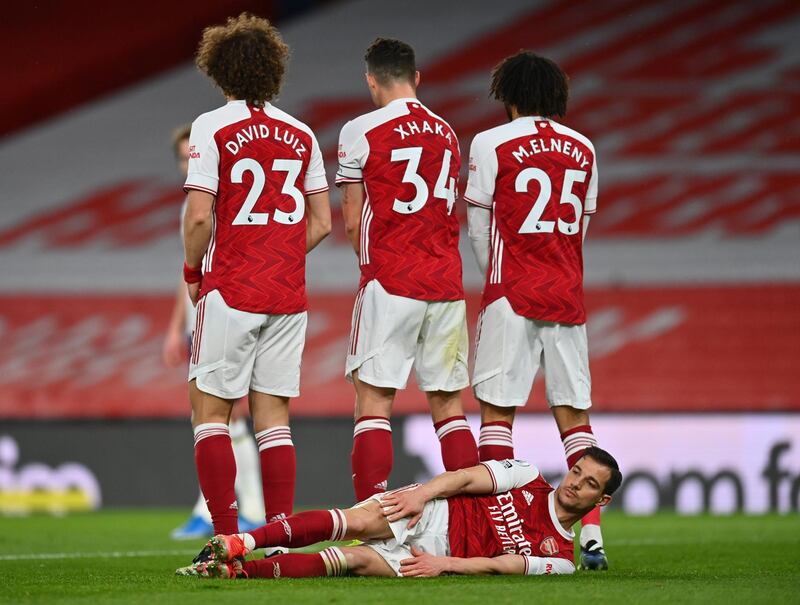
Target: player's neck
387	95
566	518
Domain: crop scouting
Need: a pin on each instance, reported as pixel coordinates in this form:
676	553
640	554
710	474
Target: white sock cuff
494	434
210	429
335	561
578	442
372	424
339	525
457	424
274	437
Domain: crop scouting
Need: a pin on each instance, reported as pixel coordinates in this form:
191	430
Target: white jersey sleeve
352	155
509	474
315	180
590	203
203	158
539	566
482	172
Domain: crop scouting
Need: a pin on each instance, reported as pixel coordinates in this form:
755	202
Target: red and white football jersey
539	178
260	163
519	518
408	159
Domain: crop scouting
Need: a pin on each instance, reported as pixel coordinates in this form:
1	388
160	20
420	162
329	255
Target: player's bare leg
495	441
576	434
213	452
459	449
372	455
276	452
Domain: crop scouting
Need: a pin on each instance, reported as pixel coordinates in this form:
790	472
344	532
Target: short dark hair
181	133
536	86
603	457
246	58
389	59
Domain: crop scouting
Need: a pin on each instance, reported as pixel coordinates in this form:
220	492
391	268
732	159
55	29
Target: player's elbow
198	218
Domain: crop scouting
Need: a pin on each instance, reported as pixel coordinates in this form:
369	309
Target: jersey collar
551	506
403	100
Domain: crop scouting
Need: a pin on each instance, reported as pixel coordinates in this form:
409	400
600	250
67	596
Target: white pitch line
96	555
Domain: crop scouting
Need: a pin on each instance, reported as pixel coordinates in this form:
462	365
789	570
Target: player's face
183	157
582	487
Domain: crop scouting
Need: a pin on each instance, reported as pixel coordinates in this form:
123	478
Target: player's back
544	180
520	521
260	163
408	159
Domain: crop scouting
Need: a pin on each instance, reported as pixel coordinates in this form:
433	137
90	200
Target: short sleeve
482	173
539	566
352	154
203	171
315	180
590	204
510	474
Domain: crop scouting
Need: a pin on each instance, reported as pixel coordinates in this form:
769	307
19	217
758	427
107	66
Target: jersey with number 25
408	159
260	163
539	178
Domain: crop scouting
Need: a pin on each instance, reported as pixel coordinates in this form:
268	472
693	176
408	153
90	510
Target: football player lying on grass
500	517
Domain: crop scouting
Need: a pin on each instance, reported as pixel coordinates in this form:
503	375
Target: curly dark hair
389	59
246	58
603	457
536	86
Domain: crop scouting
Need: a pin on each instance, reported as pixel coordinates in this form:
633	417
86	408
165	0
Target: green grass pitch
127	557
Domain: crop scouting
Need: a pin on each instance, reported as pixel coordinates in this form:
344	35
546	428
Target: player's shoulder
489	140
230	113
369	121
572	133
278	114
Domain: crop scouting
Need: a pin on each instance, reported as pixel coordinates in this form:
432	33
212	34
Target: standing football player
257	203
174	353
532	186
398	169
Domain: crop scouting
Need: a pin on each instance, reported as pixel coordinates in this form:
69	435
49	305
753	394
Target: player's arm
491	477
318	226
197	223
480	196
423	565
352	203
479	220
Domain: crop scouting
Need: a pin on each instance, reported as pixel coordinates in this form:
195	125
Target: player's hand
404	504
422	565
173	352
194	292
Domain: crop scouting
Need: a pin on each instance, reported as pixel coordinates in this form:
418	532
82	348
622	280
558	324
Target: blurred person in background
532	187
175	352
410	308
257	204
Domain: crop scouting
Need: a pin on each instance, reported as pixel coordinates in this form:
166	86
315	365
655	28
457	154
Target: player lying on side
500	517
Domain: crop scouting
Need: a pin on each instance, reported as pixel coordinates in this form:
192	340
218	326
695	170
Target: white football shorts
234	351
429	534
510	349
390	334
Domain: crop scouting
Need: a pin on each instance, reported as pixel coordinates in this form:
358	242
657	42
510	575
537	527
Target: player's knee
357	560
356	523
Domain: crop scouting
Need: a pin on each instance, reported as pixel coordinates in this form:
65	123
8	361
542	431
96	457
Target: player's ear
416	79
604	500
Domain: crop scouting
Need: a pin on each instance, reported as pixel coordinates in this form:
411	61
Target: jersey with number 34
408	159
259	163
539	178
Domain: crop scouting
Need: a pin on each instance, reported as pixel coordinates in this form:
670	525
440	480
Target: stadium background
692	262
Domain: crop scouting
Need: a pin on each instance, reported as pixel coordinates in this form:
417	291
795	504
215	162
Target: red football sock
329	562
575	441
372	456
302	529
495	441
457	442
278	471
216	471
